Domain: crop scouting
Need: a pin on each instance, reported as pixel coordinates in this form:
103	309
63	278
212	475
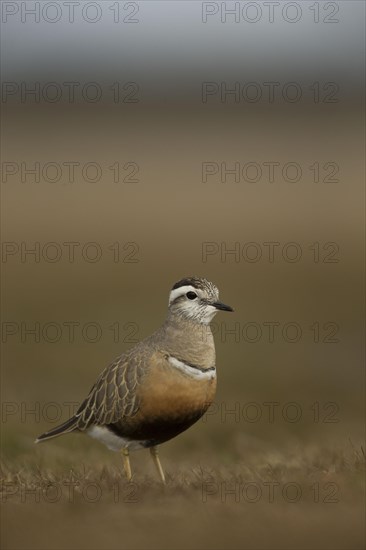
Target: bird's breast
173	390
171	398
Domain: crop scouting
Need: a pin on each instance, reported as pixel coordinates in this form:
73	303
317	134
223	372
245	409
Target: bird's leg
155	456
126	463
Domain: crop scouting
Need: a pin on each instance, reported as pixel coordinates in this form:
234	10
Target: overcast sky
170	45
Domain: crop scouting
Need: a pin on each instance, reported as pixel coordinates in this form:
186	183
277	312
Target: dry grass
311	464
60	506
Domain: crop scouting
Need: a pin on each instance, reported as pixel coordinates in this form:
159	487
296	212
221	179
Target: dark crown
196	282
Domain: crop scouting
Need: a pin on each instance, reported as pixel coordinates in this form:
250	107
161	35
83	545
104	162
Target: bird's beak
221	306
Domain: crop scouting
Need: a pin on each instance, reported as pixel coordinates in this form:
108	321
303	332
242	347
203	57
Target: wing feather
114	395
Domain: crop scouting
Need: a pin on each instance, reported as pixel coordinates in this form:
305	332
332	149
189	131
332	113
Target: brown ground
52	499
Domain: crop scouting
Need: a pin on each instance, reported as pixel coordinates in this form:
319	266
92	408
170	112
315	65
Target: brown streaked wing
113	396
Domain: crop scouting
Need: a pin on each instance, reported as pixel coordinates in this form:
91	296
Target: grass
308	498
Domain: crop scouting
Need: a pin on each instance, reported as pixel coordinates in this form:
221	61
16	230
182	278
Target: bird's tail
66	427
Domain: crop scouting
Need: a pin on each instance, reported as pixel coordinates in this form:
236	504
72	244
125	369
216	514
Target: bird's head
196	299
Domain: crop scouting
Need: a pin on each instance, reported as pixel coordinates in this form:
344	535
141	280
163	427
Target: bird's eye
191	295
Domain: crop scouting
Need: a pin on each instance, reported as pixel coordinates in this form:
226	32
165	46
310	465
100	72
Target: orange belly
170	402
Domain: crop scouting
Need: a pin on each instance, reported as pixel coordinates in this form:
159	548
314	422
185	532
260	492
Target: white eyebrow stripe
180	291
191	371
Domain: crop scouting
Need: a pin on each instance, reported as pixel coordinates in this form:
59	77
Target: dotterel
160	387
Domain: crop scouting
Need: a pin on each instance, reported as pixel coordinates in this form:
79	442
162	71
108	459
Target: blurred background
148	141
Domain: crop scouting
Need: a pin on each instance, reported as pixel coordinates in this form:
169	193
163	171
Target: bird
161	386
